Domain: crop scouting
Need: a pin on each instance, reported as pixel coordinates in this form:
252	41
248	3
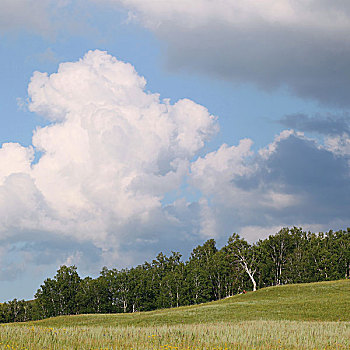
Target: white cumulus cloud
97	184
111	152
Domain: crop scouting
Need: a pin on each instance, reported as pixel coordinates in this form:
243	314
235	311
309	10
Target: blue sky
98	169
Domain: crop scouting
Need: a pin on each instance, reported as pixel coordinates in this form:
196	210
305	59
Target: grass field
305	316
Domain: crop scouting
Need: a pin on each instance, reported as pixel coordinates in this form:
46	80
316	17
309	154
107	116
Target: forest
290	256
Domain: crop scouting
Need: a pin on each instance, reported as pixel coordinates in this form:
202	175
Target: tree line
290	256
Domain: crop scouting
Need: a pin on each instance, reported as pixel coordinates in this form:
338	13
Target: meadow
304	316
239	335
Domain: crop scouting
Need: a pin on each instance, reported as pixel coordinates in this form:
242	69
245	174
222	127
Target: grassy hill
323	301
304	316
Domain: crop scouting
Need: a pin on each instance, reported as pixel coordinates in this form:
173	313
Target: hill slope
323	301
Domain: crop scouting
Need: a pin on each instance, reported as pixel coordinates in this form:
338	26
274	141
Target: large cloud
293	181
110	154
113	177
303	45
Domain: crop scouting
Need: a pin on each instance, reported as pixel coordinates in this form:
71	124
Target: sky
131	127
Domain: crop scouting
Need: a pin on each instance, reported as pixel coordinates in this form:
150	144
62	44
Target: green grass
305	316
263	335
323	301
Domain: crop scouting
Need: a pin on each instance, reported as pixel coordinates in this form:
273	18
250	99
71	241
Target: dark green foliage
91	296
58	296
19	311
290	256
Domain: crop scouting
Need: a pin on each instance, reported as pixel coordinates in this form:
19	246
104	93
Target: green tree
200	272
275	252
57	296
244	255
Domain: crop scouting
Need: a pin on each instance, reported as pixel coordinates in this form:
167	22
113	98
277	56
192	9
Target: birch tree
243	254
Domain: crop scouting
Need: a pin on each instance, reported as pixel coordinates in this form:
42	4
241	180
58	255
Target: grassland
239	335
305	316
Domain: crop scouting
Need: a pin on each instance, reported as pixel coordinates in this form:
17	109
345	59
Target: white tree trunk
248	271
250	274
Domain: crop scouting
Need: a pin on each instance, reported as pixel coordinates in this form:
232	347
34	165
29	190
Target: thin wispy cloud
325	125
